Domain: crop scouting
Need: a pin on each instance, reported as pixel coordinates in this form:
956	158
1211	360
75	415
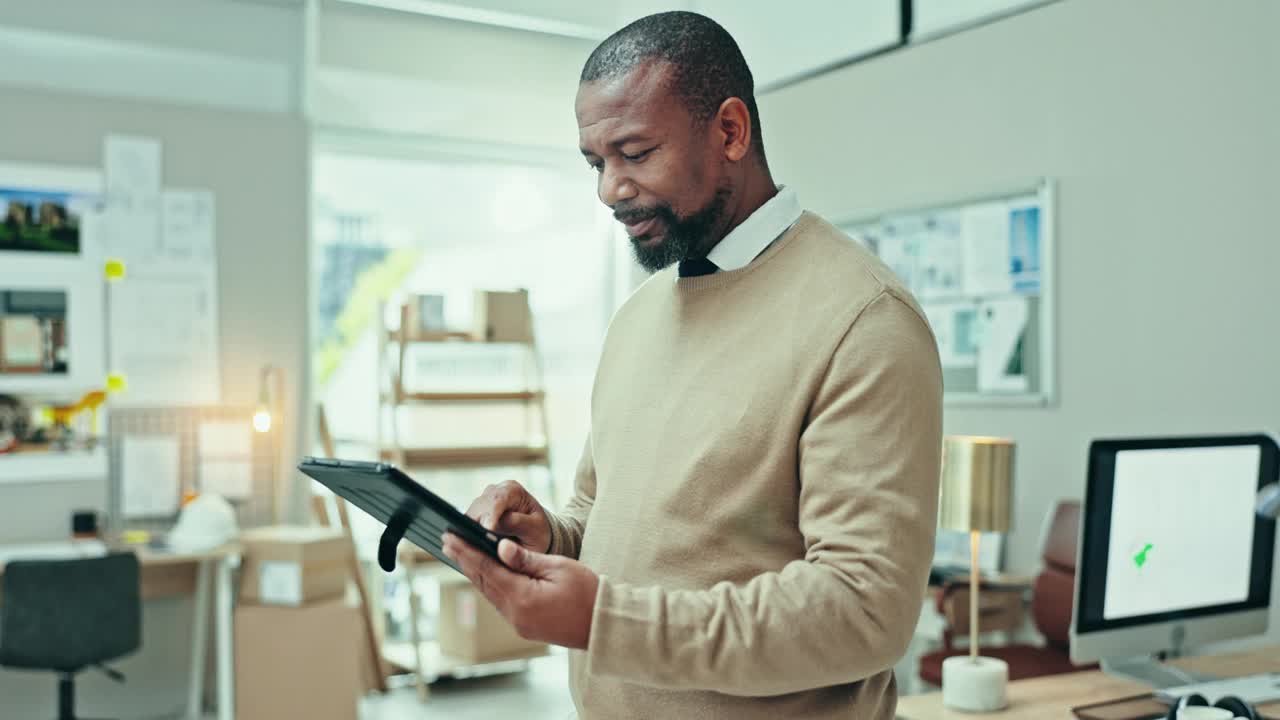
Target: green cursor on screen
1140	558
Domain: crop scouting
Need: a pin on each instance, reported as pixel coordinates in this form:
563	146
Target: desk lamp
262	416
976	493
268	420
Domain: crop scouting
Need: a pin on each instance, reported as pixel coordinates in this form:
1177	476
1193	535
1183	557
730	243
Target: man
754	512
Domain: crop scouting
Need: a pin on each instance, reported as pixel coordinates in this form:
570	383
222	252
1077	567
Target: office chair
1052	597
69	615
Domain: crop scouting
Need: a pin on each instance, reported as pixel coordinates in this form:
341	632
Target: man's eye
638	156
597	166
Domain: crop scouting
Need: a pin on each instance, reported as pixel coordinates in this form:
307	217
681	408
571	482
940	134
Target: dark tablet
408	509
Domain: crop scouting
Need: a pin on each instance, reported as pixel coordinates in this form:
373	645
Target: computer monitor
1172	553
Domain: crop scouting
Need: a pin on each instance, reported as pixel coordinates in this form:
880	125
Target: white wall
934	17
785	41
1161	122
223	53
416	75
217	82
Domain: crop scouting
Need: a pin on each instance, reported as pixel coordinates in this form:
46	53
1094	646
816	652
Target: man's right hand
509	509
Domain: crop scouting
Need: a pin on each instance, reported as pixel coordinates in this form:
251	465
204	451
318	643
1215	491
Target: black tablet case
408	509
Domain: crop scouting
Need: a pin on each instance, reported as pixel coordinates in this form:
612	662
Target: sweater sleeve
868	464
568	525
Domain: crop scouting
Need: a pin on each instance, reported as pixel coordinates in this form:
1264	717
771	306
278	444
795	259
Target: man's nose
614	187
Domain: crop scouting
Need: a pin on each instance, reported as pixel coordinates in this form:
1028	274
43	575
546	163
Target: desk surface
164	574
1053	697
147	557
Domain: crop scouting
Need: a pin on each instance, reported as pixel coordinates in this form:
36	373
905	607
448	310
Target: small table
1054	696
168	574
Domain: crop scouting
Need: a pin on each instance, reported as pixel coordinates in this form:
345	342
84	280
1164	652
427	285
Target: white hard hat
204	524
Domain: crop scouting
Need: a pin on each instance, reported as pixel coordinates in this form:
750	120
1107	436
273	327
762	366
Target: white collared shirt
745	242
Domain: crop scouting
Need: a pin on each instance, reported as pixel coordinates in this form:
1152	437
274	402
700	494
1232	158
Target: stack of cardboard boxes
471	629
298	646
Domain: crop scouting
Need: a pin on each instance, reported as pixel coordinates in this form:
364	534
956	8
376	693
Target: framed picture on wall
43	209
52	338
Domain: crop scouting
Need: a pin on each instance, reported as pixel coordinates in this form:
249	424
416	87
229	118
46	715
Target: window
385	228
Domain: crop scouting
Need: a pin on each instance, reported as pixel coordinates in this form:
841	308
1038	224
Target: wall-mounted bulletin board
982	270
161	455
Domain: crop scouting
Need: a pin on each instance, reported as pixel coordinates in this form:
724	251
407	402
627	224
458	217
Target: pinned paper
225	440
955	325
116	383
986	260
1001	354
232	479
149	470
187	225
163	325
132	168
114	270
226	454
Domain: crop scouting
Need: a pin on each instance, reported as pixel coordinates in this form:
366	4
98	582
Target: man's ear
734	123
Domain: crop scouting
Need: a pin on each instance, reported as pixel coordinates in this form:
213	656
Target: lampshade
977	484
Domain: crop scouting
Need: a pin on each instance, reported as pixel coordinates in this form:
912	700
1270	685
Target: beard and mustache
683	238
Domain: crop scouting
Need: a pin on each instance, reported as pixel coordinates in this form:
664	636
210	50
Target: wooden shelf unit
419	656
531	398
461	397
467	457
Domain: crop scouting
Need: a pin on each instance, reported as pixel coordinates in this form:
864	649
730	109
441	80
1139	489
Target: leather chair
66	616
1052	598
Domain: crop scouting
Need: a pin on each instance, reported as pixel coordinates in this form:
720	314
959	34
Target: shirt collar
757	232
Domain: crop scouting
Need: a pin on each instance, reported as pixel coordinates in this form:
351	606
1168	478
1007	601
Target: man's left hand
546	598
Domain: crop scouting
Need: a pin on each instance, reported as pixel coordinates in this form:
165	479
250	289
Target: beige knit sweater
759	490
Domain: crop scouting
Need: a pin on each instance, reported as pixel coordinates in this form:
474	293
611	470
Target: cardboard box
298	662
294	566
503	317
471	629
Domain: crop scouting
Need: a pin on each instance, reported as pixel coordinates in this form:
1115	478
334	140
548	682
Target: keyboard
1253	689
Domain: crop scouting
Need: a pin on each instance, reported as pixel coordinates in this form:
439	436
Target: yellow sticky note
114	269
116	383
135	537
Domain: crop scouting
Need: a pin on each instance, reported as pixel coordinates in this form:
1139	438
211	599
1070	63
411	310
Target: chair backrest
999	609
65	615
1053	594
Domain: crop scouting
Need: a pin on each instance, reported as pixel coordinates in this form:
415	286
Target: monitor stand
1151	672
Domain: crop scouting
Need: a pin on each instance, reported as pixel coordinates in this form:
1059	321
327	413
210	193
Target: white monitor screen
1182	529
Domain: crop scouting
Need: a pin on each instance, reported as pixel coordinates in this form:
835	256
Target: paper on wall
939	268
163	324
131	222
232	479
955	325
187	225
985	257
225	440
226	450
1002	326
899	250
149	475
132	164
1025	249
